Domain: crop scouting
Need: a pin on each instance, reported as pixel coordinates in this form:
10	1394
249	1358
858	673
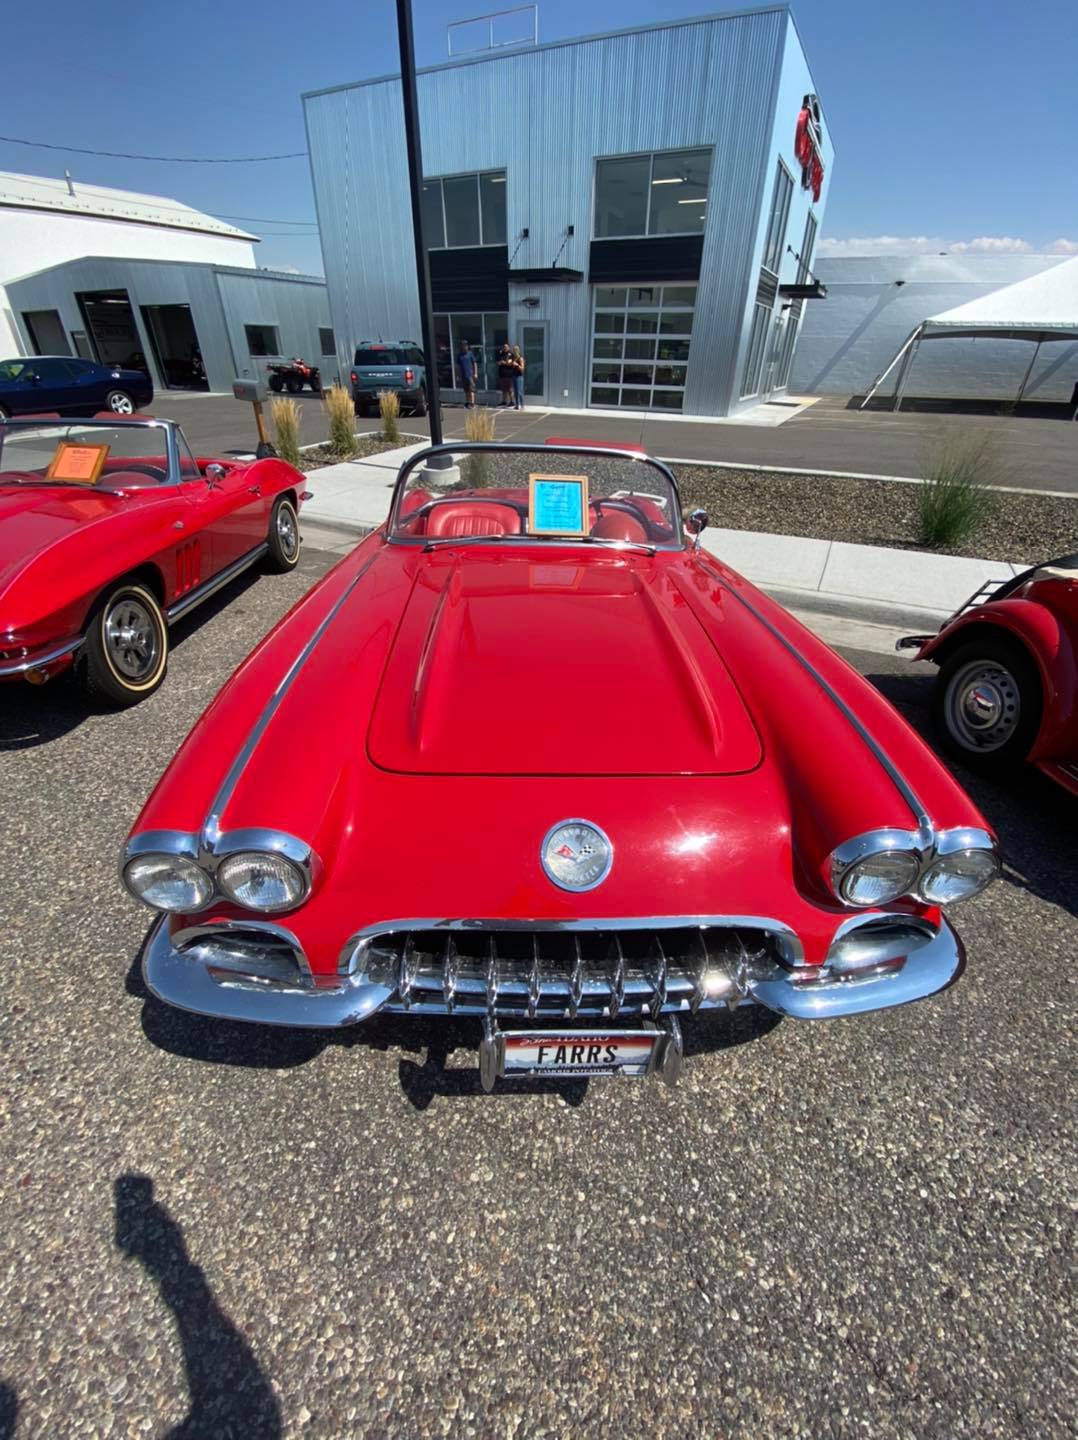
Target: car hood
512	665
33	517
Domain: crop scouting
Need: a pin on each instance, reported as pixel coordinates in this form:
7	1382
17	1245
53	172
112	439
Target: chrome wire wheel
132	639
983	705
287	531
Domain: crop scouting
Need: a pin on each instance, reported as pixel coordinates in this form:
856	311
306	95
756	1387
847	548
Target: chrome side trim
901	784
20	667
179	608
211	830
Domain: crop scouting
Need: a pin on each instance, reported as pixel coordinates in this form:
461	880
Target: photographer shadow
230	1394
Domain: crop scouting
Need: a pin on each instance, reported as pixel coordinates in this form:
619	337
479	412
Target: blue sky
953	120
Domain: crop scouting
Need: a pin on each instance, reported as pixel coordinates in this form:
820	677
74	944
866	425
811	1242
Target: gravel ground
861	1227
365	445
874	512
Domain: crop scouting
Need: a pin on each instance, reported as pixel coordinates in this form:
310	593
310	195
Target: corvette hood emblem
576	855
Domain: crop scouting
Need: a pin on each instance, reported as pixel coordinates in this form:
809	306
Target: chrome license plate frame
572	1054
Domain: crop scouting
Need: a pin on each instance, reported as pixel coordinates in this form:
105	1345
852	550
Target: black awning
815	290
546	275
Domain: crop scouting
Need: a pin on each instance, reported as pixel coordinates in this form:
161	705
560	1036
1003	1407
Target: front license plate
579	1052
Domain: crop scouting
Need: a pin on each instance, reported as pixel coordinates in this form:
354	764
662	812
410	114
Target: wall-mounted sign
77	464
558	504
808	145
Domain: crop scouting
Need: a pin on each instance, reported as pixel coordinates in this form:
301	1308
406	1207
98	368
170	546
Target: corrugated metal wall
544	115
222	301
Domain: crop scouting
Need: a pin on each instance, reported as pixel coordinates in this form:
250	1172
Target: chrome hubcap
121	405
287	530
132	639
983	705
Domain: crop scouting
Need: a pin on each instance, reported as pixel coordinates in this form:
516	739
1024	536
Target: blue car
68	386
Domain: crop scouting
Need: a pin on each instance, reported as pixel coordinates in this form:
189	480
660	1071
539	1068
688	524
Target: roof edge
226	232
485	57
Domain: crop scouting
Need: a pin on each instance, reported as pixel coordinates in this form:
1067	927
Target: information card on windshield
77	464
558	505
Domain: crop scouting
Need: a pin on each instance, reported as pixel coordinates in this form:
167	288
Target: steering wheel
153	472
624	507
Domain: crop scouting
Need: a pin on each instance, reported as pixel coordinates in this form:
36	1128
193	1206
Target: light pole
415	182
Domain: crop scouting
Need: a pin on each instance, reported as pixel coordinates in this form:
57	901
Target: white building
146	281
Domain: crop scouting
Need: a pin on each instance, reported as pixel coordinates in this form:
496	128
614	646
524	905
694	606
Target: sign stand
254	392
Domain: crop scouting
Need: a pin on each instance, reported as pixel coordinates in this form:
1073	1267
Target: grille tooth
617	983
658	959
450	972
409	971
576	979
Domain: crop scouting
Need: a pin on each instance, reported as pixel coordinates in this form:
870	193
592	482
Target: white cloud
936	245
1063	247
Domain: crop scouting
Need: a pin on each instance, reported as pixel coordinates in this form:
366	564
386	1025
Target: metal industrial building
143	281
637	210
874	302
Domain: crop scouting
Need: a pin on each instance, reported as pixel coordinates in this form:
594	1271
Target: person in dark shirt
469	373
506	372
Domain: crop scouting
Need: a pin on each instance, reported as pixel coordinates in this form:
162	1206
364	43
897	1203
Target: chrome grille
563	973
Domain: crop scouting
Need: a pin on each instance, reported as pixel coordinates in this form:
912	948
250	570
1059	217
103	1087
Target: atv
293	376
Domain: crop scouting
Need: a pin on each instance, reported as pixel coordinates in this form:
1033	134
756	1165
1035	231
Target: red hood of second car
517	663
32	517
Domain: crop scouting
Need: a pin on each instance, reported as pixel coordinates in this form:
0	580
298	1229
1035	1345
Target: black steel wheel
125	654
276	384
293	384
283	538
988	702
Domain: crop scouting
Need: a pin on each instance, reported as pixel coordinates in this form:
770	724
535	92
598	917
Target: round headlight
261	880
168	882
958	876
880	878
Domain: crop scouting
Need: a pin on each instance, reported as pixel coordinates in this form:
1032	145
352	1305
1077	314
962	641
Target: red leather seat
473	517
616	525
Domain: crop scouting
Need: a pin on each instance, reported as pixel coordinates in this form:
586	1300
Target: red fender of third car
1044	636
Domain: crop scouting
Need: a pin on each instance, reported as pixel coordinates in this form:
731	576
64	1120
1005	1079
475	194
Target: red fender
1044	635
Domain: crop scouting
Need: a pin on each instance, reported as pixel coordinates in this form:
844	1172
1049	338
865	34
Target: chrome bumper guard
260	975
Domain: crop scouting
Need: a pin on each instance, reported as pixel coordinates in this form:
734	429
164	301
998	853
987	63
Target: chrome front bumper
191	982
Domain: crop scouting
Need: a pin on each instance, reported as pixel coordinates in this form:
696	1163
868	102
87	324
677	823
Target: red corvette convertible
574	777
110	530
1007	691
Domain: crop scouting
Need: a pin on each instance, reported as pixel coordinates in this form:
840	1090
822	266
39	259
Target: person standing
506	371
518	378
469	373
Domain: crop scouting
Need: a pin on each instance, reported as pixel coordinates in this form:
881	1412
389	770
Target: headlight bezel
927	852
208	858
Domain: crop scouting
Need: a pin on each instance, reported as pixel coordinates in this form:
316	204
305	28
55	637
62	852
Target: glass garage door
640	346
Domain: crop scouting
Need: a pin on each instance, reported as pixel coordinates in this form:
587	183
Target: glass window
754	360
609	324
605	298
496	329
461	210
640	349
326	342
655	370
668	399
262	340
607	350
679	192
433	221
492	204
621	196
776	225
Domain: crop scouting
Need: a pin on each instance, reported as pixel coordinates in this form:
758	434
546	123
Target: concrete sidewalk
355	496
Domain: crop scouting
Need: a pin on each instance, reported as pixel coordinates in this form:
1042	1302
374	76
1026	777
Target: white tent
1039	308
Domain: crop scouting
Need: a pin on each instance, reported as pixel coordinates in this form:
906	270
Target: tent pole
907	366
1029	370
884	374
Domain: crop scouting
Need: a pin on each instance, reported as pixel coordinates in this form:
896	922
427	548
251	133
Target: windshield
75	452
513	493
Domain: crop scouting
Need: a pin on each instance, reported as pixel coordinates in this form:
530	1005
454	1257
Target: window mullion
651	187
445	218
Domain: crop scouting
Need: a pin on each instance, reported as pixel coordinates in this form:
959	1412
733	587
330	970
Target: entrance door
46	332
175	346
533	347
111	323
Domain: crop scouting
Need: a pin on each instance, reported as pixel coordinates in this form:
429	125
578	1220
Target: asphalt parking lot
861	1227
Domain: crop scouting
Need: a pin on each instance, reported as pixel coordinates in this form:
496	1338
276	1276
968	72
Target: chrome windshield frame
170	427
596	452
